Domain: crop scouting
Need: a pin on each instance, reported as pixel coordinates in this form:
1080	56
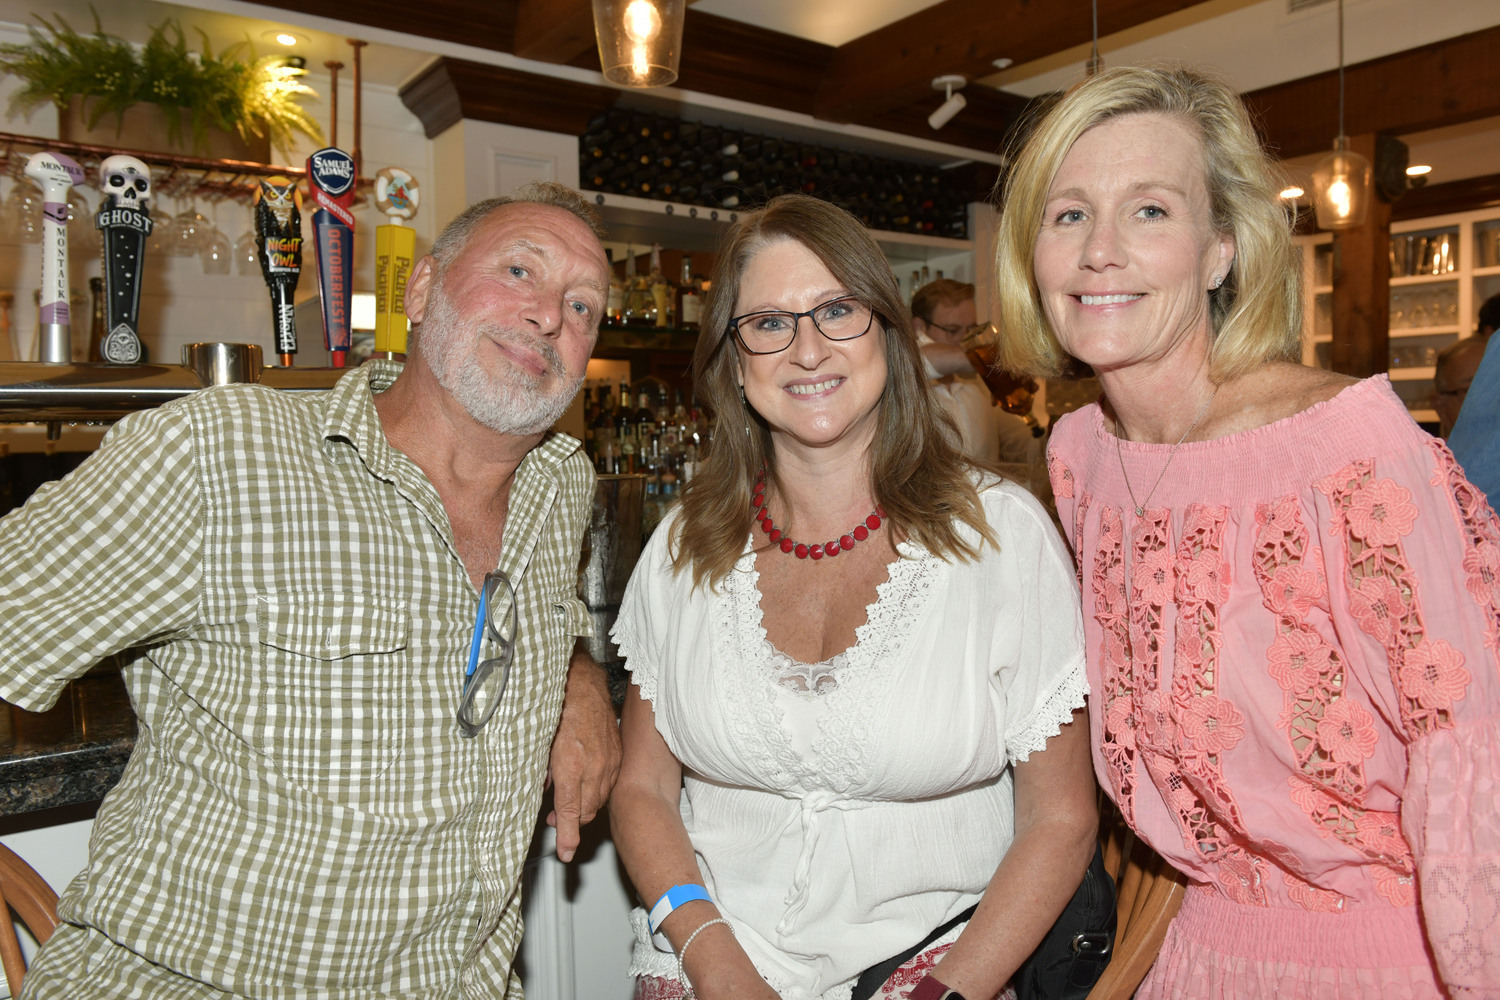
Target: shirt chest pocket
334	671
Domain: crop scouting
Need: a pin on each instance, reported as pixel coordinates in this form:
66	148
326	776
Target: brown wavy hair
917	474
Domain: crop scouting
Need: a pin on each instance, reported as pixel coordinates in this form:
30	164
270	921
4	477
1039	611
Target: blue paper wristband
671	900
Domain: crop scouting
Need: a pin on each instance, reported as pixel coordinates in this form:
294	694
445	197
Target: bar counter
72	753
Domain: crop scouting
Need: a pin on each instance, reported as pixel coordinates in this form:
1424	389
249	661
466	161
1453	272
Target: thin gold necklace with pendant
1140	508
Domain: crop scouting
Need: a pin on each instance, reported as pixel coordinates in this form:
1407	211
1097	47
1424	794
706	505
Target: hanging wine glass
246	260
24	207
217	251
83	236
163	240
192	229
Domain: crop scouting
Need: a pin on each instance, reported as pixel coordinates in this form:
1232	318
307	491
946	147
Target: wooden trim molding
450	90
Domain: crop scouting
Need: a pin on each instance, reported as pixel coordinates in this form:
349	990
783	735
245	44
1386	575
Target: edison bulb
1340	195
642	22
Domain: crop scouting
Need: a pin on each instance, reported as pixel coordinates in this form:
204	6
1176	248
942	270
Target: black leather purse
1068	962
1072	957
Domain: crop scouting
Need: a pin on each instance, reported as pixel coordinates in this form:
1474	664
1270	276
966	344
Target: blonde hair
917	474
1255	316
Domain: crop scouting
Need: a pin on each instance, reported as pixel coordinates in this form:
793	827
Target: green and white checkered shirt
301	817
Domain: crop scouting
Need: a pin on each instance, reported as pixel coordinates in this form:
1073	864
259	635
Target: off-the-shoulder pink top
1296	696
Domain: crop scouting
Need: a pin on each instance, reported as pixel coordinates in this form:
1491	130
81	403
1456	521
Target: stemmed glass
216	250
23	211
83	236
164	237
192	230
246	259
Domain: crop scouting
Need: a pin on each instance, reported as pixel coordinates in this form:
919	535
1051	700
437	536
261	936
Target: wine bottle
689	303
98	328
7	339
661	291
614	304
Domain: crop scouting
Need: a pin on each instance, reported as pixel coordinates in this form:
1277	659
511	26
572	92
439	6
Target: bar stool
24	891
1148	893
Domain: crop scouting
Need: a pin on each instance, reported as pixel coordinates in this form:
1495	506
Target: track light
953	105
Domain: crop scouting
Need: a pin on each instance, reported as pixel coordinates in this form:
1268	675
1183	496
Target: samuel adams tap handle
330	180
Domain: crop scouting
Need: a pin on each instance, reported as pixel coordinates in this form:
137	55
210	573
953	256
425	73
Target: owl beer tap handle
278	245
126	223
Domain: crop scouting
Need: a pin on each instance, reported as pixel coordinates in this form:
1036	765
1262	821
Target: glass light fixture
1341	180
1341	188
640	41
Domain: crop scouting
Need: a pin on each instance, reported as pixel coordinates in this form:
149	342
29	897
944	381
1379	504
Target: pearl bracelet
681	972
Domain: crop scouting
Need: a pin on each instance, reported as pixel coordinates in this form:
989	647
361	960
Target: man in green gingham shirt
295	579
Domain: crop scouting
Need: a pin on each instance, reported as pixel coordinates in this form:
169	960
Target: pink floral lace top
1293	655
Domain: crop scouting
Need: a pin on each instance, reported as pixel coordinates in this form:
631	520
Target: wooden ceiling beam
554	31
1432	86
894	66
749	63
454	89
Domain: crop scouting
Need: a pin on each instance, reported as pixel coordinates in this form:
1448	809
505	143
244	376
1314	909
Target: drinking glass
192	231
163	239
24	211
83	235
217	251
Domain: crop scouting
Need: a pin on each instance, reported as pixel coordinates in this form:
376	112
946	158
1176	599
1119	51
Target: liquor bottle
98	328
606	447
925	275
645	421
627	288
689	302
614	308
660	290
588	420
7	340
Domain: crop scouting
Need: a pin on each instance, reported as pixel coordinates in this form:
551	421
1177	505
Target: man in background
318	803
943	314
1475	435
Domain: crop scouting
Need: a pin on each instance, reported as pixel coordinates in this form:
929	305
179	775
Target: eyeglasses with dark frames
484	680
773	331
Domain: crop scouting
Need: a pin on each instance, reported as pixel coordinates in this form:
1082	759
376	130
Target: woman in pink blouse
1289	589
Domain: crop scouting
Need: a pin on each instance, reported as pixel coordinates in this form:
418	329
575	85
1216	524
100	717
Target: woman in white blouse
855	733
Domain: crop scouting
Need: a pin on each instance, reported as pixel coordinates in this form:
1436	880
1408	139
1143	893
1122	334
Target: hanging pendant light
1341	180
640	41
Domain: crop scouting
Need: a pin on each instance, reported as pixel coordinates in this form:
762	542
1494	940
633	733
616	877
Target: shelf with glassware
1442	269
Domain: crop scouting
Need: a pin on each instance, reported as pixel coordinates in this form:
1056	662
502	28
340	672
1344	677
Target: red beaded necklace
801	550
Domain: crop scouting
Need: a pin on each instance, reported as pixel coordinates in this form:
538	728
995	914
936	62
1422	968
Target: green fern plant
224	90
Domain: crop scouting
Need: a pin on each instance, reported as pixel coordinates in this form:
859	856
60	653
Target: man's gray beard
511	403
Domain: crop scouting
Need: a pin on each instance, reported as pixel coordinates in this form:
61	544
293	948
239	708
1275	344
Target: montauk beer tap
56	174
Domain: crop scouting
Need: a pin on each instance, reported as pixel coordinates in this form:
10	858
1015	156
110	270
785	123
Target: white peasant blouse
837	829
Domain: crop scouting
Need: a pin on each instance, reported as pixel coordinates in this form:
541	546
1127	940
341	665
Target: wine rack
659	158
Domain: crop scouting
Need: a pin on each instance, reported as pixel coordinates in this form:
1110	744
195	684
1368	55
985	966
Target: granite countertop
72	753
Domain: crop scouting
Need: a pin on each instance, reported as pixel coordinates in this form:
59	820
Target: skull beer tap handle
330	181
278	244
56	173
126	223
